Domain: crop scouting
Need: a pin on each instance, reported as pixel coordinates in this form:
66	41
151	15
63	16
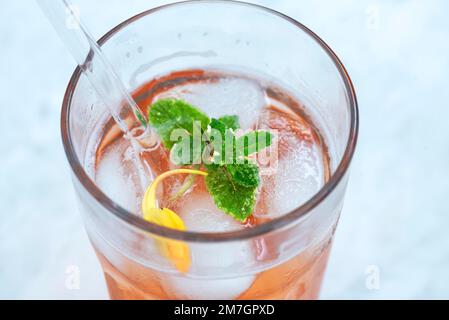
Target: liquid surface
299	169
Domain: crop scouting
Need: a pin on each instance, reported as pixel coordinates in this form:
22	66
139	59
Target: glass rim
138	222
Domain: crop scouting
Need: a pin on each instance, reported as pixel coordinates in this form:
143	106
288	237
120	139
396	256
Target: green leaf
253	142
182	153
220	126
246	175
231	197
167	115
226	137
231	122
185	153
243	147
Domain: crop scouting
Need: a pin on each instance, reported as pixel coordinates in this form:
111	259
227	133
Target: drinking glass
211	34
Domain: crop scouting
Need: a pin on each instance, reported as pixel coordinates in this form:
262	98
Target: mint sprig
233	179
167	115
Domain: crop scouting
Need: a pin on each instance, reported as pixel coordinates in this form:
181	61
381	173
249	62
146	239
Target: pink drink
300	170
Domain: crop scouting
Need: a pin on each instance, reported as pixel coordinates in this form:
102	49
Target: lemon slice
177	252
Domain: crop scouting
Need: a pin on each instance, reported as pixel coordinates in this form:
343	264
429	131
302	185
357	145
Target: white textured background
396	218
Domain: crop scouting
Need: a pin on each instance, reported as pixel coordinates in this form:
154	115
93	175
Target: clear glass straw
103	78
102	75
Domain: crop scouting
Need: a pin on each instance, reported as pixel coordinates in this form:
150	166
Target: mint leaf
187	152
231	122
169	114
182	153
224	148
253	142
246	175
220	126
234	199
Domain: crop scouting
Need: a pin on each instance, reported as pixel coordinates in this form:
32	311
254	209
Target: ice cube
201	215
115	176
299	176
226	96
299	173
